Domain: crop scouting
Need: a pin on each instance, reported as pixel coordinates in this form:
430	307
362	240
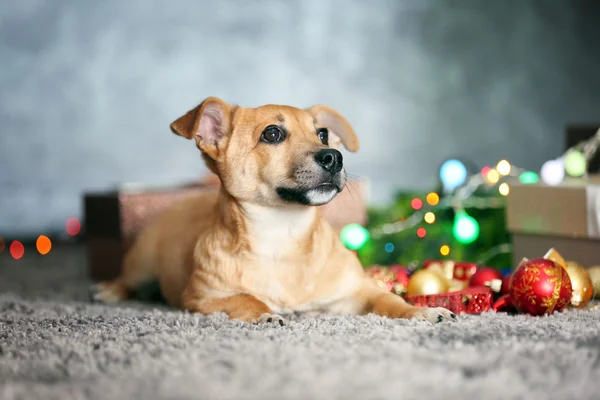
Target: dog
258	248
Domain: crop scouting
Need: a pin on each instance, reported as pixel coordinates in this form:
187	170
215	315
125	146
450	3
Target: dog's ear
337	125
208	123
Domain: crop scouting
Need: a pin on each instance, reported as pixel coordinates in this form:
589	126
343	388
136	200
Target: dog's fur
259	247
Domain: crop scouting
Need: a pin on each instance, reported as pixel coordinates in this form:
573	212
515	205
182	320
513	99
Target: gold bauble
583	289
595	276
424	282
554	255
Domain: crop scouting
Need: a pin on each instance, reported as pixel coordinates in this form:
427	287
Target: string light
421	232
504	189
17	250
575	163
73	226
389	247
503	167
354	236
553	172
433	199
485	170
466	228
445	250
493	176
453	173
528	178
43	244
417	204
429	217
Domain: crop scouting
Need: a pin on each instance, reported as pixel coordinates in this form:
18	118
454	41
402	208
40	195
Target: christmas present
565	216
114	218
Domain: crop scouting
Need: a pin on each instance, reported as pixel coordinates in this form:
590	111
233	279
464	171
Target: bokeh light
553	172
504	189
354	236
43	244
421	232
466	228
453	173
417	204
433	199
529	177
503	167
485	170
493	176
445	250
17	250
389	247
575	163
73	226
429	217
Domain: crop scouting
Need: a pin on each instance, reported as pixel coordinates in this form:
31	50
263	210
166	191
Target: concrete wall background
87	89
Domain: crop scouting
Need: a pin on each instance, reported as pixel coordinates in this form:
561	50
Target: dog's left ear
337	125
208	123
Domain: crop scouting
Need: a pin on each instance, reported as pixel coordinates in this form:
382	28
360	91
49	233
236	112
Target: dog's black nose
330	159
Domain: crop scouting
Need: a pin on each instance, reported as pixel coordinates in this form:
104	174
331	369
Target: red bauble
539	287
484	277
506	284
402	275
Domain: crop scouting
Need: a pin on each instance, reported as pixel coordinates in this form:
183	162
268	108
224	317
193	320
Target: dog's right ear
208	123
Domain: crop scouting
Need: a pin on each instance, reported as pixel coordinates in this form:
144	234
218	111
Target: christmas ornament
504	303
582	285
484	277
393	279
595	276
540	286
554	255
470	300
424	282
463	271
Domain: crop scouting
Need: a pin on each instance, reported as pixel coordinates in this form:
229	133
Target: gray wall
88	88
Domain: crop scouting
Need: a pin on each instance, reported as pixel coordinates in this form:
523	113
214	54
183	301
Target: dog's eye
323	135
272	134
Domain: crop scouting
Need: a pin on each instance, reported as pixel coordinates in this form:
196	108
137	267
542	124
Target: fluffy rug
55	345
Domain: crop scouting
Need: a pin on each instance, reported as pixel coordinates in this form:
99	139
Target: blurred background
88	89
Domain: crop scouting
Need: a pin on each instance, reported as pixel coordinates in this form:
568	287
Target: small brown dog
259	247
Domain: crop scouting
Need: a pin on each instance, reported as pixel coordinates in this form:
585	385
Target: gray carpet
55	345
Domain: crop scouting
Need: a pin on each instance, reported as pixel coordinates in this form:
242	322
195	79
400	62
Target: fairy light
73	226
575	164
464	198
445	250
17	250
493	176
43	244
429	217
433	199
421	232
417	204
389	247
503	168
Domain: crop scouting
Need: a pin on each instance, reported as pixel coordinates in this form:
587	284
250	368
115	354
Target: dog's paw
433	315
271	319
105	293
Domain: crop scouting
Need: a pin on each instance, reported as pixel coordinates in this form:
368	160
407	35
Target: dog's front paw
268	318
433	315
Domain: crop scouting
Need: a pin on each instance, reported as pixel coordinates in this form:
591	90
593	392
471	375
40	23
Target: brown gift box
114	218
565	216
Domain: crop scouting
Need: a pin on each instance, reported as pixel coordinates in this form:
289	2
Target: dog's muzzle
319	182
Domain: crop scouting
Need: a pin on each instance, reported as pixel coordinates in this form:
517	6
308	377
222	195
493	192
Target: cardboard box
566	217
114	218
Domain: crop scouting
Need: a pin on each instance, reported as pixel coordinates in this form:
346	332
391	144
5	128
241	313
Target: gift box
565	216
114	218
